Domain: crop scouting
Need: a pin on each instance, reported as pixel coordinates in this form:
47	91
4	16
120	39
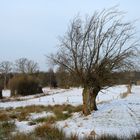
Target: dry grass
61	112
64	107
50	120
124	95
21	136
23	113
73	137
4	116
48	132
31	109
5	129
45	131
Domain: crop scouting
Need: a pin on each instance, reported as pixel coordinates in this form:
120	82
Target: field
56	114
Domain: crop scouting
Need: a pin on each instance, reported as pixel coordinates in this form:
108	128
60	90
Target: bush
24	85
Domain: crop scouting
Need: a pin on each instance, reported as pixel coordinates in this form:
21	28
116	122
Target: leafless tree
62	77
1	86
23	65
52	78
65	79
20	65
5	69
94	48
32	67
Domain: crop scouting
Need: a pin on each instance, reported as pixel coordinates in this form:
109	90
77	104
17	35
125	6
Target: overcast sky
30	28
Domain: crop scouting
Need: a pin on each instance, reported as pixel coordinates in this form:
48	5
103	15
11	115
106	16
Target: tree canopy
94	48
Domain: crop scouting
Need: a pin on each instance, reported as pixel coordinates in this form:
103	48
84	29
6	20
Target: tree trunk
5	82
129	87
86	102
93	95
1	88
89	100
0	94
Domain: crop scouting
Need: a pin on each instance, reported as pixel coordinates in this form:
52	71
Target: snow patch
34	116
6	93
24	127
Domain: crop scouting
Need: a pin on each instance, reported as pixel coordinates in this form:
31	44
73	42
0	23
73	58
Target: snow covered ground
116	115
24	127
119	117
71	96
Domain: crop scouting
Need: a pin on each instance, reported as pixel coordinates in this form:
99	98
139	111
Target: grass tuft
22	136
50	120
4	116
48	132
6	128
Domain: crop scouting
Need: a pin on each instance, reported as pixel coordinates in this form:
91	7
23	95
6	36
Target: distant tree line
10	73
25	74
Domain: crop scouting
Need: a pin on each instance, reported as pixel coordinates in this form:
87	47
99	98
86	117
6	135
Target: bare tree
94	48
32	67
5	69
1	85
65	79
20	65
23	65
52	78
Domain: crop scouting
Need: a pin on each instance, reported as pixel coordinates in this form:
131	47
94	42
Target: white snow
72	96
119	117
48	90
24	127
111	93
6	93
116	115
34	116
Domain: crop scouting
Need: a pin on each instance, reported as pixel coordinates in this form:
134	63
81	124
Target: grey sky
29	28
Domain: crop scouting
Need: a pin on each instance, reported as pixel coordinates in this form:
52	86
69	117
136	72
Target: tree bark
5	82
86	102
1	88
0	93
129	87
89	100
93	95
